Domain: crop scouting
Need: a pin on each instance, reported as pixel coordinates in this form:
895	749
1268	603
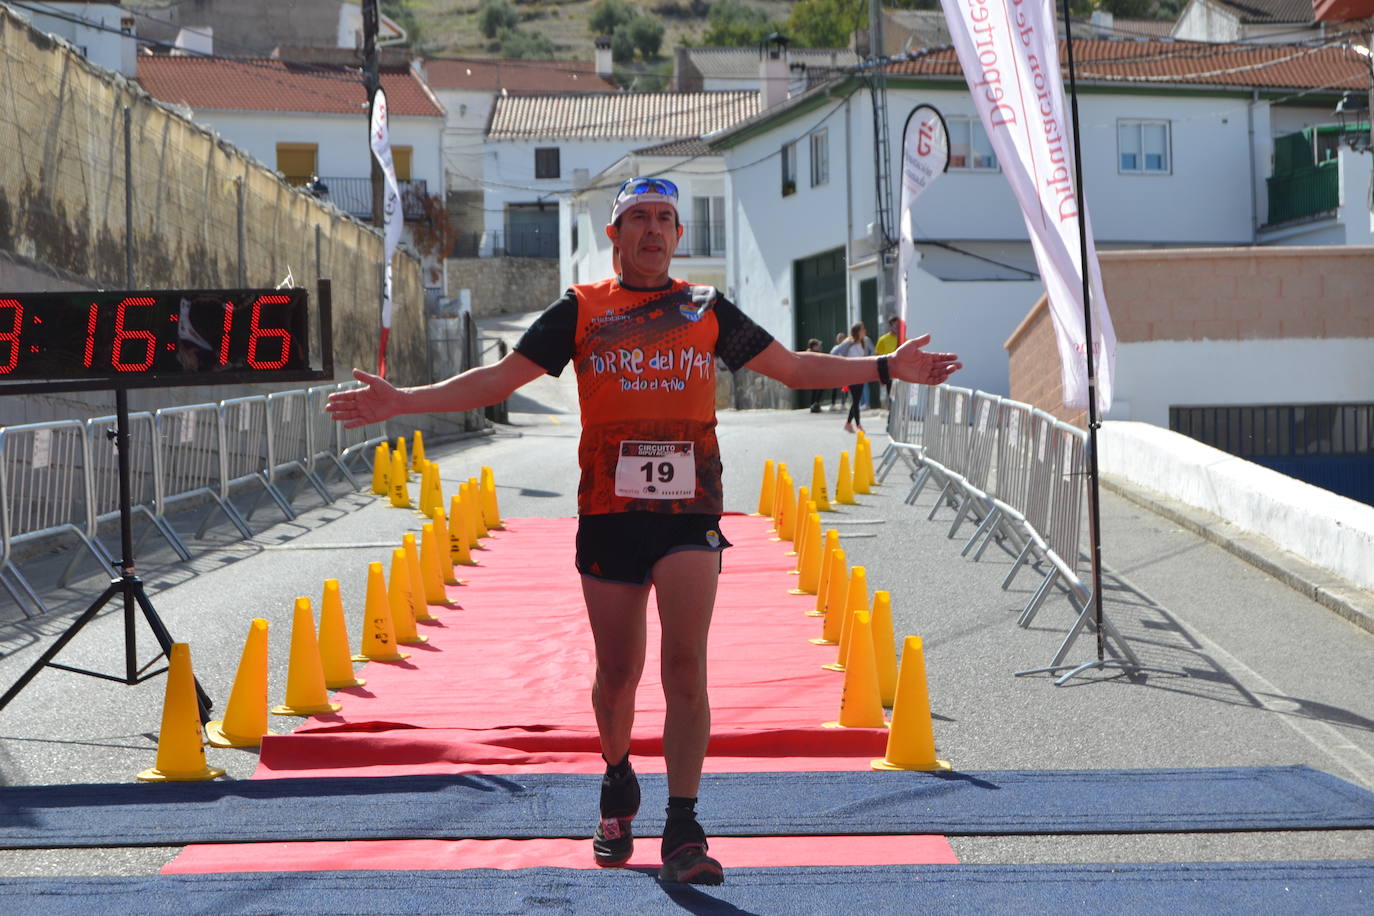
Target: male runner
644	348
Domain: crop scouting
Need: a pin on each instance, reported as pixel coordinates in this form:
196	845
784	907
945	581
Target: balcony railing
1306	191
703	240
354	196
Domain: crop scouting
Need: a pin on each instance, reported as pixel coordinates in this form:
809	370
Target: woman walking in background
856	344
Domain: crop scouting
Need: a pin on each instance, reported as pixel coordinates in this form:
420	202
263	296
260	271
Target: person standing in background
887	344
855	345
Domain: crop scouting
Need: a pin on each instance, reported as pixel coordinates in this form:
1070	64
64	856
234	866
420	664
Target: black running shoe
613	843
684	854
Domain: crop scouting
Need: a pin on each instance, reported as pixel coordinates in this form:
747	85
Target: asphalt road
1263	675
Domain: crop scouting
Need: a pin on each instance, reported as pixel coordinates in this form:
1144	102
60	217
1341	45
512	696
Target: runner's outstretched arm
808	369
479	386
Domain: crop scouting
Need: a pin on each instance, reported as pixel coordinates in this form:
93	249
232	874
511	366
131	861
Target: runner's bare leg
616	612
685	586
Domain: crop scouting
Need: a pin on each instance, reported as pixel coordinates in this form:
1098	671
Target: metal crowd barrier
62	478
1031	501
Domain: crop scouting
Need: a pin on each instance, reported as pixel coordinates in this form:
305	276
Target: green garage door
819	294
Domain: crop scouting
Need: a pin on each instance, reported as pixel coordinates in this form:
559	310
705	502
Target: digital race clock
158	337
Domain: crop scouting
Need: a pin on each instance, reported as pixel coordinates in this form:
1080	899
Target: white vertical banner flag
925	157
1009	52
391	212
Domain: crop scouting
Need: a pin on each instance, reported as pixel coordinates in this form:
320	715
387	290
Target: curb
1322	586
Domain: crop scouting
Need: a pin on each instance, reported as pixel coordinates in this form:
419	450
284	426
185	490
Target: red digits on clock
256	333
224	338
92	315
121	334
12	335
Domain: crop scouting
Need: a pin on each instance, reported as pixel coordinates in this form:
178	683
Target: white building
1176	153
103	33
1281	21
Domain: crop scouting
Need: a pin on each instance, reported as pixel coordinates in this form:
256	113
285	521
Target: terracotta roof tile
267	84
528	77
1274	11
1190	63
625	115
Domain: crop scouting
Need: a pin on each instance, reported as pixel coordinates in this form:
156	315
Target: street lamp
1352	114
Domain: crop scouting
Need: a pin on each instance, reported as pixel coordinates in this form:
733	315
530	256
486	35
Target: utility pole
372	80
881	159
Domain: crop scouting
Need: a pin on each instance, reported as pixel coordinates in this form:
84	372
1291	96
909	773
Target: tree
400	12
826	23
609	15
495	15
1127	9
622	45
731	24
517	44
646	34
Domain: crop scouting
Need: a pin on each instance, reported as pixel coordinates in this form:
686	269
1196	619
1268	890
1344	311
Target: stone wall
505	286
204	215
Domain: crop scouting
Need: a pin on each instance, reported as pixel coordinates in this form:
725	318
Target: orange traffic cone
381	469
245	715
491	509
415	574
809	563
473	513
832	543
379	630
884	648
180	744
459	527
780	486
417	458
834	600
445	548
398	597
860	706
766	489
818	491
334	656
426	487
844	485
911	742
480	517
856	599
401	450
305	691
863	467
798	521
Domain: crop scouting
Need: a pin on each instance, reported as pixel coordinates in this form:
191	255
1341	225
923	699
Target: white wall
342	140
1154	375
464	141
1204	21
108	49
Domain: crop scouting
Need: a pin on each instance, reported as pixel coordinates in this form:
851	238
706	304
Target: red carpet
503	686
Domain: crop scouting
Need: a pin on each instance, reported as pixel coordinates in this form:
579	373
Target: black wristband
883	375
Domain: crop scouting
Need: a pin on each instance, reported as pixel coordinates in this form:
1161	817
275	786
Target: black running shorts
624	546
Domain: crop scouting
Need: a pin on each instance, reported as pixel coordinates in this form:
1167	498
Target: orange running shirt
646	383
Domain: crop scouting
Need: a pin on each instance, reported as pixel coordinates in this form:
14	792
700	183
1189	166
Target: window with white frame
1143	147
706	231
789	169
969	147
820	158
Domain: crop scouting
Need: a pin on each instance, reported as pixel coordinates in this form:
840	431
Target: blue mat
1273	888
732	804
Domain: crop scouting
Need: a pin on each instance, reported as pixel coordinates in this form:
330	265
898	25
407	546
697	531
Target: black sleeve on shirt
740	339
548	342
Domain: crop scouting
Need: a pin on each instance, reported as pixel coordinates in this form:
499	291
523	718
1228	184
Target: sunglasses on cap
648	186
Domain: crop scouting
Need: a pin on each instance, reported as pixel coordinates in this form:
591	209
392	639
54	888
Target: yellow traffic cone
802	532
473	513
832	543
305	691
398	597
856	599
491	509
798	525
415	574
401	450
334	656
444	545
436	500
458	532
860	706
834	600
844	486
400	491
787	529
783	498
417	458
431	567
809	578
381	469
818	491
180	744
379	630
245	715
766	489
863	467
884	647
911	742
483	529
780	478
426	470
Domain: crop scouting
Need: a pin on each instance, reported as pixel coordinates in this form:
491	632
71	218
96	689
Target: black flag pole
1129	662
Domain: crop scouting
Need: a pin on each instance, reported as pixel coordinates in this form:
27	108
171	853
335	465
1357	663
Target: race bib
656	470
